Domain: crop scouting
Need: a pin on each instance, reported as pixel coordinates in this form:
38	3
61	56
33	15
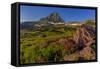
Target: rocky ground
82	42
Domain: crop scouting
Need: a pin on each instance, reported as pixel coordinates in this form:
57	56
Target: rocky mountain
53	17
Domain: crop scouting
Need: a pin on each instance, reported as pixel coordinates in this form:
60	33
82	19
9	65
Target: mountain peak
54	14
53	17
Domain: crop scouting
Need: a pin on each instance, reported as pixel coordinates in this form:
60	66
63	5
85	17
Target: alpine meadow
56	34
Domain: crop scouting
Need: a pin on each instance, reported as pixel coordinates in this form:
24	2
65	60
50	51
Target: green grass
39	46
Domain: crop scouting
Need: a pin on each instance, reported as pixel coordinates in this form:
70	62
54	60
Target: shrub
93	47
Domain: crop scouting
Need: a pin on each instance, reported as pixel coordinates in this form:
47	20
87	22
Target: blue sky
34	13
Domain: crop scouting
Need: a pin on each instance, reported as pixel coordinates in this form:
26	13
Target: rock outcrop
84	36
82	40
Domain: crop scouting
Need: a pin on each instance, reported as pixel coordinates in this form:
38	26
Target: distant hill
90	22
27	25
